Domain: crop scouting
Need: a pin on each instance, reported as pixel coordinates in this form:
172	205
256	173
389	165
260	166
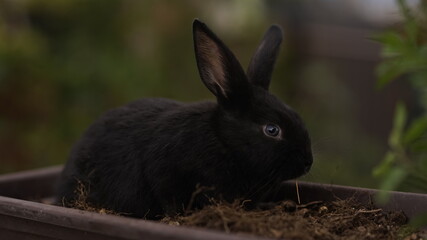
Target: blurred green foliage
64	62
405	57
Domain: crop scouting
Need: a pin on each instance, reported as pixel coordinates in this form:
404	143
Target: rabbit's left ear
262	63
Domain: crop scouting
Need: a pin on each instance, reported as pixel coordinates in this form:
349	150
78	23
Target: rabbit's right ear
262	63
219	69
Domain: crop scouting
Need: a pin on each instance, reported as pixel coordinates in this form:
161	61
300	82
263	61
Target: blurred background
65	62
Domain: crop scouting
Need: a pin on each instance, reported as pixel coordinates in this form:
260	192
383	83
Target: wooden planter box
23	218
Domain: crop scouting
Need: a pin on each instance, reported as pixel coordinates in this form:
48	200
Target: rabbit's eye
271	130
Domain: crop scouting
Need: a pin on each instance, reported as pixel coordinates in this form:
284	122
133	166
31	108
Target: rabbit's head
266	135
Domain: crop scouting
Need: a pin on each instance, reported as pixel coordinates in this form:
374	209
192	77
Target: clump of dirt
340	219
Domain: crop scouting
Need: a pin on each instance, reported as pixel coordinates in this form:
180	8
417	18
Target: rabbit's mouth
300	168
304	162
305	168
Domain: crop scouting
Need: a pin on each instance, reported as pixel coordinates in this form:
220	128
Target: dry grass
81	201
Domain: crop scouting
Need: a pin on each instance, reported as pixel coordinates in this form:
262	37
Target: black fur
146	158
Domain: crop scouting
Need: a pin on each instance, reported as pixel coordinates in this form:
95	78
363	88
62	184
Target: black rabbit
146	158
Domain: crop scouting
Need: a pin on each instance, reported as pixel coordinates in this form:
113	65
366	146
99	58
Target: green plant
404	166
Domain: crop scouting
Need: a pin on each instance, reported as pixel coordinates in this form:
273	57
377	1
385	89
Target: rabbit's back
119	153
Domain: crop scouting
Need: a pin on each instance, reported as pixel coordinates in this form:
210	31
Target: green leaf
393	43
418	221
410	24
386	164
416	130
398	126
419	146
393	179
386	72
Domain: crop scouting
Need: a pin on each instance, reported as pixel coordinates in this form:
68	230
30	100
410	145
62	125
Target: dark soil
340	219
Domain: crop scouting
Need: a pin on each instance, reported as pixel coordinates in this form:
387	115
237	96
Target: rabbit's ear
262	63
219	69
